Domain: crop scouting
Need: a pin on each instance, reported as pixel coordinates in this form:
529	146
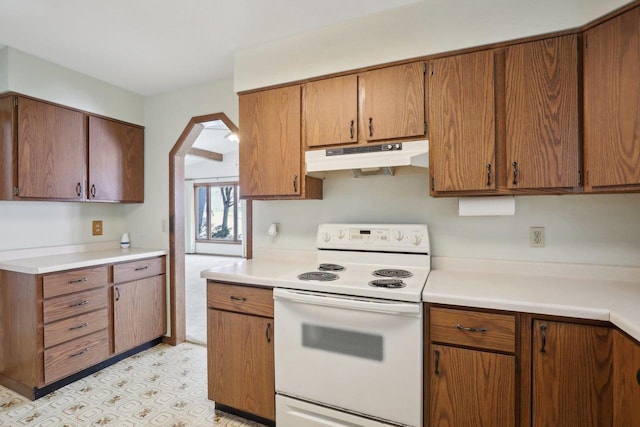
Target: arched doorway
176	221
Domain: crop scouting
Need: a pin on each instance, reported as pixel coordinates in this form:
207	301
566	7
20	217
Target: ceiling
155	46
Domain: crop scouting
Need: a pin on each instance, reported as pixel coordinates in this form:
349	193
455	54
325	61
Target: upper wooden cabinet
116	161
271	163
392	102
331	111
461	113
542	126
377	105
45	154
50	149
612	104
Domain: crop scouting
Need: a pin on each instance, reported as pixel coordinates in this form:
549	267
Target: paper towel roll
486	206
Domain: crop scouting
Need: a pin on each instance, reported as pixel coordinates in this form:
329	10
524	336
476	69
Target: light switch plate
97	228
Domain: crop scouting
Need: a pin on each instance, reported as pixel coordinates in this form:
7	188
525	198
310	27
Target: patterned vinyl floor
162	386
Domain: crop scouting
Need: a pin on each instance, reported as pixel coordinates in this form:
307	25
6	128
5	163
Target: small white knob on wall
273	229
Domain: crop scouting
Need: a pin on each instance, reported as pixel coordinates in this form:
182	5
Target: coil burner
320	276
387	283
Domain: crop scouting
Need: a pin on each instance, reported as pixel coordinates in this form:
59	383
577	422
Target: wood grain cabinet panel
331	111
271	163
74	304
51	151
241	299
138	312
612	104
462	139
74	356
74	281
74	327
240	362
571	379
116	161
392	102
136	270
471	388
626	381
542	126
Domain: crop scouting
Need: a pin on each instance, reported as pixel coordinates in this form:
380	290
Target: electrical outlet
536	237
97	228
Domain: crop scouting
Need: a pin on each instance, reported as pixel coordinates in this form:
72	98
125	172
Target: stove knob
416	239
326	236
341	234
399	235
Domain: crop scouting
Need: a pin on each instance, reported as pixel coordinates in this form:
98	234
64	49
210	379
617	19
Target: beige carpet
162	386
196	293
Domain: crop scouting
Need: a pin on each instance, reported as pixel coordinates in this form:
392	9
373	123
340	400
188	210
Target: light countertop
607	293
68	261
579	291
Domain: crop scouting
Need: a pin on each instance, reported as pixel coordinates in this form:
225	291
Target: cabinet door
612	102
471	388
138	312
462	137
270	148
626	381
393	102
51	151
240	362
331	111
572	368
542	137
116	161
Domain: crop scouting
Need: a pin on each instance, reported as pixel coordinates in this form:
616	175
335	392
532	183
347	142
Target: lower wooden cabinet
626	381
56	325
471	388
138	312
240	358
470	379
571	375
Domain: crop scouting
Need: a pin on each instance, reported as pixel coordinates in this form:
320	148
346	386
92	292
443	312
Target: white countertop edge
579	312
55	263
538	268
17	254
237	278
630	326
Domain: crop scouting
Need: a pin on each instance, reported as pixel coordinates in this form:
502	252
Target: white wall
34	224
36	77
205	168
166	117
4	69
419	29
600	229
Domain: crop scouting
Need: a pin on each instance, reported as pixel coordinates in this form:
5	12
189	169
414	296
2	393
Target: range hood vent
369	157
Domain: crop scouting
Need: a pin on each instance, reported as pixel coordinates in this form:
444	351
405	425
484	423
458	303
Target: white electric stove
348	330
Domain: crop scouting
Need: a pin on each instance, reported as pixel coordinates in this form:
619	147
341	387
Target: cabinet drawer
74	281
74	327
76	355
474	329
243	299
74	304
135	270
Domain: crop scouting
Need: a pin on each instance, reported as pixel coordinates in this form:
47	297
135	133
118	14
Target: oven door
356	354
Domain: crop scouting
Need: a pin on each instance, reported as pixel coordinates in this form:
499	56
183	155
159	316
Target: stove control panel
412	238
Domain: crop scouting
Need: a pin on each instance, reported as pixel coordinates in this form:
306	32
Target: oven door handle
350	303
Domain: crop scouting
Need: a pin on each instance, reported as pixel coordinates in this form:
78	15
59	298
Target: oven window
359	344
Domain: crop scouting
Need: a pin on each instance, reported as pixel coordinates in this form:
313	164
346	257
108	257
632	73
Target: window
219	217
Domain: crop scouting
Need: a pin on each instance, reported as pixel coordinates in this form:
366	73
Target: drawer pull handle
84	279
243	299
141	268
466	329
437	362
370	127
84	325
543	331
80	353
351	129
638	376
117	293
267	334
85	302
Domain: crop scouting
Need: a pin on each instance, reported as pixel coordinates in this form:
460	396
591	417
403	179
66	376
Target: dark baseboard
243	414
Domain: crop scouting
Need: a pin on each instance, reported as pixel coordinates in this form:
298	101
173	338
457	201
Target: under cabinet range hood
369	159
